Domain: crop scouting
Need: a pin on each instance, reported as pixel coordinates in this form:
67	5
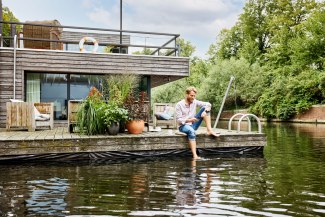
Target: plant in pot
138	109
113	115
117	88
90	114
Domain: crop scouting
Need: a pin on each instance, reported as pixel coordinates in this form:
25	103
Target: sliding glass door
60	88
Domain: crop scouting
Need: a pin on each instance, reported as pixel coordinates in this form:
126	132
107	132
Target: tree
7	15
308	47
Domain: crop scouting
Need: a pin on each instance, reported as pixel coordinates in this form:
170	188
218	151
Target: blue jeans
190	129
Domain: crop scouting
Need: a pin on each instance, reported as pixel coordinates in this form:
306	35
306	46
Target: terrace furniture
30	116
73	107
164	115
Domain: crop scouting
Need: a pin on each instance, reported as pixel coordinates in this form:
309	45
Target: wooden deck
59	142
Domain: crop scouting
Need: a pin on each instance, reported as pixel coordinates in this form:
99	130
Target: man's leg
207	120
192	144
191	135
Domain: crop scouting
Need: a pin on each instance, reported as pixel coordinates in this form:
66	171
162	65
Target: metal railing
169	47
242	117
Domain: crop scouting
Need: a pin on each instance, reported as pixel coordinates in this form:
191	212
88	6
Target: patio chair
30	116
164	115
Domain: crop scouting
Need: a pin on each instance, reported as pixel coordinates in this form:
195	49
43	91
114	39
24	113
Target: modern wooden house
42	62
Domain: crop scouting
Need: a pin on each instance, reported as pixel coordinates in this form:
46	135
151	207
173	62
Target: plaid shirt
184	111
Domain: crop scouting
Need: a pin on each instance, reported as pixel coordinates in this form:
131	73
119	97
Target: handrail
238	114
91	28
171	49
250	115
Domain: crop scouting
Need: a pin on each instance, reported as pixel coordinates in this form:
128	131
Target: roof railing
170	46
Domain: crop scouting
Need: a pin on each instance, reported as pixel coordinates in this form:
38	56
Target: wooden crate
73	107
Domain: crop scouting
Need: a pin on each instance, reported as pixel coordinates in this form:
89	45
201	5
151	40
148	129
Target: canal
288	181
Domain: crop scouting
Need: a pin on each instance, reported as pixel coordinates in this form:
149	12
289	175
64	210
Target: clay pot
135	126
113	129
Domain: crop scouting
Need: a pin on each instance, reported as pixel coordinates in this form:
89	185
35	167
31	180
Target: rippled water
288	181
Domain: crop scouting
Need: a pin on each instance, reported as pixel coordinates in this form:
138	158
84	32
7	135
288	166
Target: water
288	181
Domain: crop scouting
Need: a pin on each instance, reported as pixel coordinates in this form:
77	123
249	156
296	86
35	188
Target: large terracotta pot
135	126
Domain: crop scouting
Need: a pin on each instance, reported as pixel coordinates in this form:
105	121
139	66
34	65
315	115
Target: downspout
15	47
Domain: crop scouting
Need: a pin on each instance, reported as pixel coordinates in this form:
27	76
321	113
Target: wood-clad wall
159	68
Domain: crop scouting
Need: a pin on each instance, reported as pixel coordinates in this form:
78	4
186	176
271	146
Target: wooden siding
160	69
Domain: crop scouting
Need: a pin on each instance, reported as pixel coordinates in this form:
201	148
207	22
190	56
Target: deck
58	144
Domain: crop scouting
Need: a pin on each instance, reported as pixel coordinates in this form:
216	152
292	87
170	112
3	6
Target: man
189	121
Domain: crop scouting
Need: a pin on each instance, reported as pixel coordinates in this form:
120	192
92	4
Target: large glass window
81	84
59	88
54	89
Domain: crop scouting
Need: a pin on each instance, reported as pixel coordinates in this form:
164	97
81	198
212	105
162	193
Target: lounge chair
30	116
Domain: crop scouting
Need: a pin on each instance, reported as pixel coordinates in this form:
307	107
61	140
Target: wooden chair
73	107
22	115
161	107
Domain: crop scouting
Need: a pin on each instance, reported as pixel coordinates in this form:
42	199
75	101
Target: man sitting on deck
189	121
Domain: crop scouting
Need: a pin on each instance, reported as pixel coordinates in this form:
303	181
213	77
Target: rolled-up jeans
190	129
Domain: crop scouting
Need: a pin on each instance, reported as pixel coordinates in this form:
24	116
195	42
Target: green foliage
276	51
308	47
7	15
113	113
119	87
90	116
249	83
290	95
187	49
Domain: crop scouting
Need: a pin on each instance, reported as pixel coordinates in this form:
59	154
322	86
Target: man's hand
193	120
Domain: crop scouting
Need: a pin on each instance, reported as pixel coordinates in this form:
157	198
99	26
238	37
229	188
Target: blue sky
198	21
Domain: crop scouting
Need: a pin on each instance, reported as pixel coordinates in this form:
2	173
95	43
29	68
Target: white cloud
198	21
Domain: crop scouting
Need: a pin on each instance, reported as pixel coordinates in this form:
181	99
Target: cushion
169	110
41	117
163	116
16	100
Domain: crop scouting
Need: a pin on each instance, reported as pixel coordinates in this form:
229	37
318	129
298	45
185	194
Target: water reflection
288	181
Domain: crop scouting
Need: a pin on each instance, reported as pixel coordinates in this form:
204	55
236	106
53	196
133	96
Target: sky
197	21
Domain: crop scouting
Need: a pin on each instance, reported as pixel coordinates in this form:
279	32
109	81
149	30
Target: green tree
308	48
7	15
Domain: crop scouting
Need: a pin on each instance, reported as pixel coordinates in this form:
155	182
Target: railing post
15	46
12	34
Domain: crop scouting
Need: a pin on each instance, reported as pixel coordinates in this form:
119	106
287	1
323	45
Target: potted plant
113	115
90	114
117	88
138	109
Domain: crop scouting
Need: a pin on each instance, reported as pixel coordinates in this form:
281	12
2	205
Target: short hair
189	89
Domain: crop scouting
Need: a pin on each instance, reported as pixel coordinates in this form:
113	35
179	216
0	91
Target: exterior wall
160	69
316	114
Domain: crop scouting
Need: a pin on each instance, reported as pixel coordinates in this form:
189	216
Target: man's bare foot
211	133
196	158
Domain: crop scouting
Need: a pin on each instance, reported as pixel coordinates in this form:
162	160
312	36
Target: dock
60	145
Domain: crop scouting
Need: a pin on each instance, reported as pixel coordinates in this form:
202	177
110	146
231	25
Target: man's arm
181	120
205	105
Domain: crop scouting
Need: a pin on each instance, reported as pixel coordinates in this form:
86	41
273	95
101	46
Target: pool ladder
247	116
